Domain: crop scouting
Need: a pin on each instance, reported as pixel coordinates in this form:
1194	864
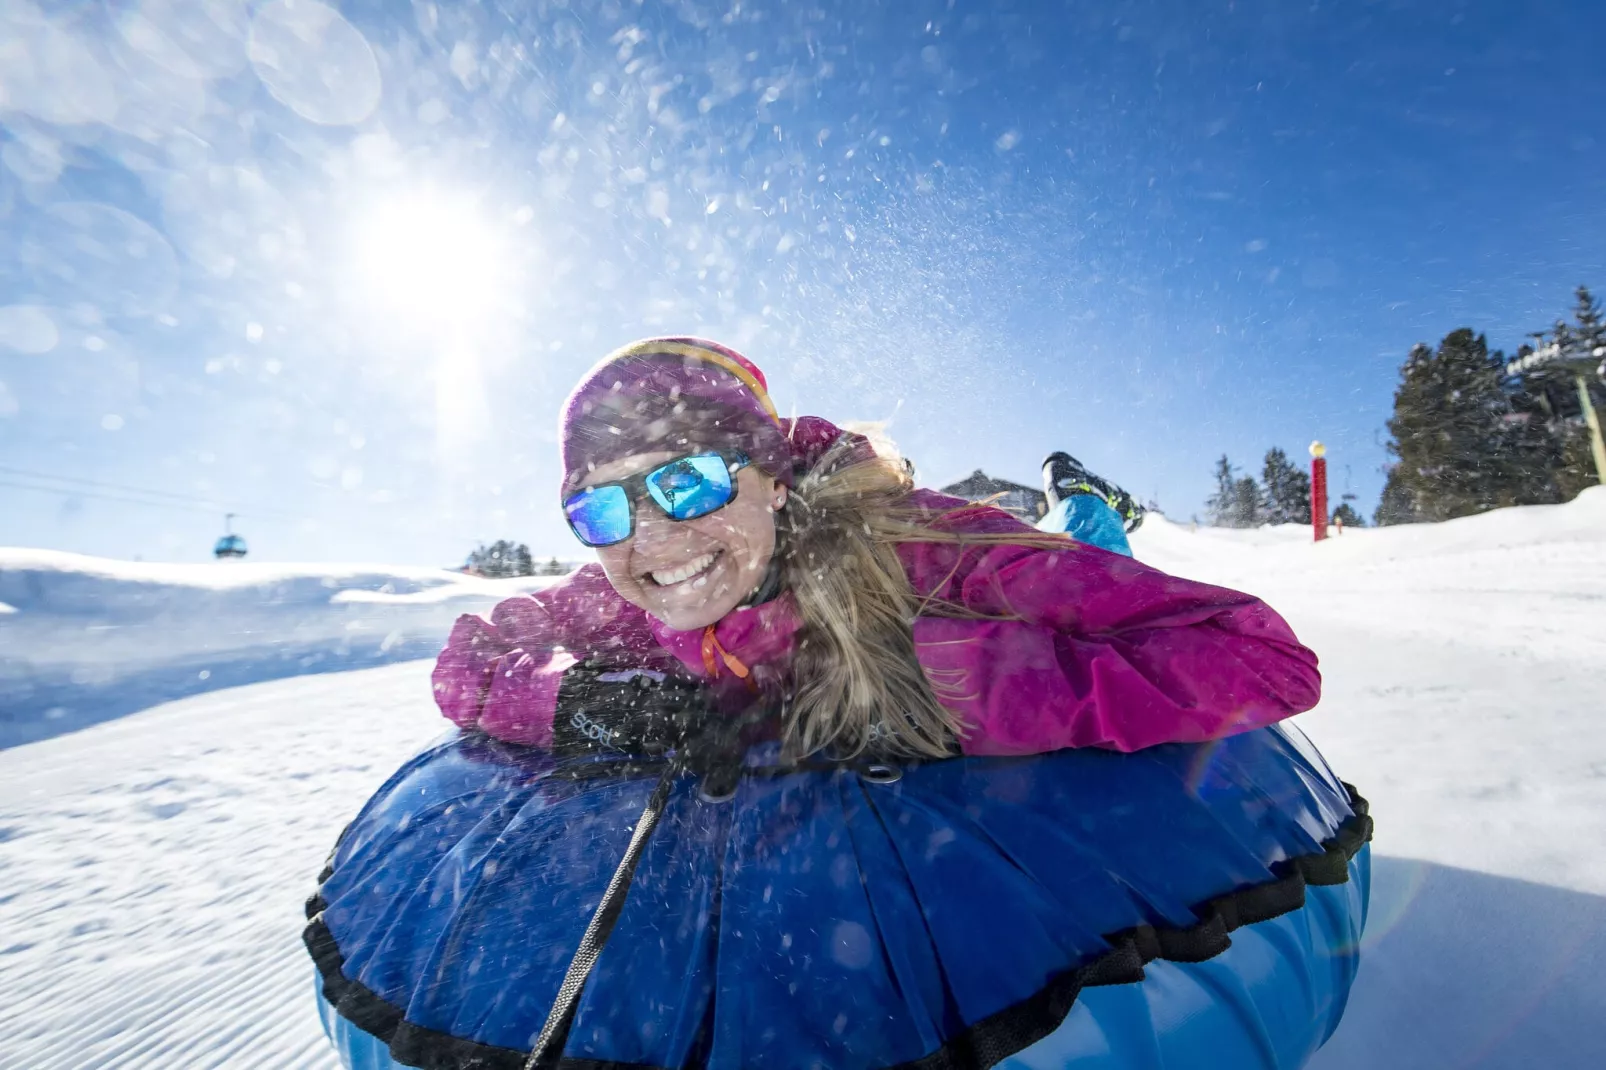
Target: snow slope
85	639
153	868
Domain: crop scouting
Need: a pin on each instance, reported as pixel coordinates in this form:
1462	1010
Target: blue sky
336	271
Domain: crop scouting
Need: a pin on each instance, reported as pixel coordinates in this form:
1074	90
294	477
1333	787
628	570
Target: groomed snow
153	871
153	867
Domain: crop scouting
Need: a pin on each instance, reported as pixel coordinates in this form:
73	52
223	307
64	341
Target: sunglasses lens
600	516
691	486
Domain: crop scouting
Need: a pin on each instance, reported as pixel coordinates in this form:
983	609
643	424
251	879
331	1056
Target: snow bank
86	639
1582	520
1529	579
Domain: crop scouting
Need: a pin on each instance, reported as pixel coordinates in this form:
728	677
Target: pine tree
1590	326
1589	332
1287	490
501	559
1551	444
1535	440
1218	507
1247	508
1575	472
1238	501
1346	515
1451	433
1396	506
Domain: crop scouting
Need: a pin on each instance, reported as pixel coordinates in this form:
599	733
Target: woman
817	769
798	564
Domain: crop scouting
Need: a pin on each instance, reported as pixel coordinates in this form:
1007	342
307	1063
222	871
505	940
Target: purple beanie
671	394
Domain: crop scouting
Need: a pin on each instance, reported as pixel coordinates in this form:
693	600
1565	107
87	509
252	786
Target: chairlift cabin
229	545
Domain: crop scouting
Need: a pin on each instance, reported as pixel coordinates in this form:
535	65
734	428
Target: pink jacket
1099	651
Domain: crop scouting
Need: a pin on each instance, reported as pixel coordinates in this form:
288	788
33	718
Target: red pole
1318	490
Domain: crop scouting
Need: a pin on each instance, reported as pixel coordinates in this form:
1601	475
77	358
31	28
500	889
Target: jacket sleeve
1089	648
502	676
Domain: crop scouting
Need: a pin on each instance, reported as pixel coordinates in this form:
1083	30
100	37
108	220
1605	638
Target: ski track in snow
152	868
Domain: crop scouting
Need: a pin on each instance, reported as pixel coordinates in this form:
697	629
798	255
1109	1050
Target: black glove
604	709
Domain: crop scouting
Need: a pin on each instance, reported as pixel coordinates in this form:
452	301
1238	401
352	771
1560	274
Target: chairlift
230	546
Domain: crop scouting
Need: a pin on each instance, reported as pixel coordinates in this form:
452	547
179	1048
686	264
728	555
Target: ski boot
1086	507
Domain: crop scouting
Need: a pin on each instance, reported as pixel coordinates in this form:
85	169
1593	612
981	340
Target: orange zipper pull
711	647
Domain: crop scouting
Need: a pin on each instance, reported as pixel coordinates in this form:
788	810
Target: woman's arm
1101	651
502	676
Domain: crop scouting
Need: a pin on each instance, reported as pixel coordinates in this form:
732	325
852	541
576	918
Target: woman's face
690	573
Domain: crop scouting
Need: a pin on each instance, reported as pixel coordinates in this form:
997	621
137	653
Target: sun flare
432	262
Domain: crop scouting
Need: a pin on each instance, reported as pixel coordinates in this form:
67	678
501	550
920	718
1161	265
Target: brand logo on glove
593	729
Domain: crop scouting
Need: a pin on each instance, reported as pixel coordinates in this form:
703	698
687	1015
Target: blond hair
856	682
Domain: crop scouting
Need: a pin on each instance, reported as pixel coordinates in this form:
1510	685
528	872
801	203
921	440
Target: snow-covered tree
1346	515
1237	501
1287	489
1551	443
1451	432
500	559
1219	504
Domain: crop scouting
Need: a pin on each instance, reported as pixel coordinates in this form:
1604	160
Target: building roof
1028	503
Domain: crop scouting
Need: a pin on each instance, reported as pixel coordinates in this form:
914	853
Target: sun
431	262
434	276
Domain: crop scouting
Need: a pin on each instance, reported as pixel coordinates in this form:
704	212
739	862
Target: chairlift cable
132	497
101	483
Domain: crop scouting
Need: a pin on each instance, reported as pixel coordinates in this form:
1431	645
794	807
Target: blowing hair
857	683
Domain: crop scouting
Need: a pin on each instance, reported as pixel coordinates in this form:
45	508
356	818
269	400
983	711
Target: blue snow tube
1190	906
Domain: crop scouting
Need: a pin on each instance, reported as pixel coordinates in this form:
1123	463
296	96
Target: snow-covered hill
85	639
153	867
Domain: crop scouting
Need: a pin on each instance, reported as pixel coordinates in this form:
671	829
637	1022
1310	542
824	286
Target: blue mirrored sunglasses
684	488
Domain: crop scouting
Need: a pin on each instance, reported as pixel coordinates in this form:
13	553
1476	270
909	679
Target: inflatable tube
1183	906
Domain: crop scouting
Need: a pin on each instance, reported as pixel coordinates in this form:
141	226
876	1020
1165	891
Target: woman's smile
692	569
